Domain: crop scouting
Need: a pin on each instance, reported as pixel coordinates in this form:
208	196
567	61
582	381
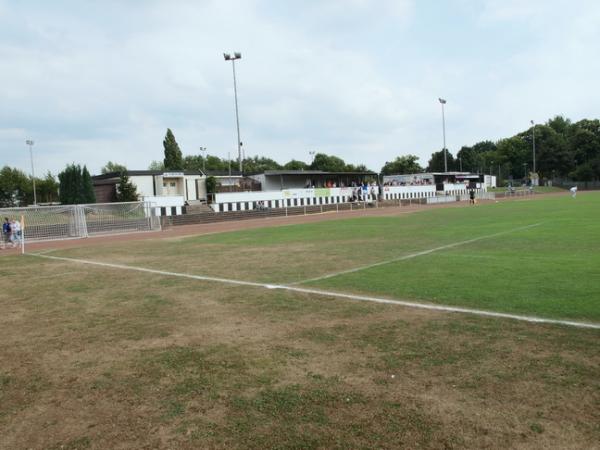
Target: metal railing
46	223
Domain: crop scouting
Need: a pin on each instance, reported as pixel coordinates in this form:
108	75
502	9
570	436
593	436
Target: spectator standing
6	230
15	227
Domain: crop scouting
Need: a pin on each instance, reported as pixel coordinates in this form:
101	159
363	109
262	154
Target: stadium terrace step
197	208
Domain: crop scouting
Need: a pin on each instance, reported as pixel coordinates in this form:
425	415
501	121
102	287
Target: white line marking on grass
158	272
364	298
414	255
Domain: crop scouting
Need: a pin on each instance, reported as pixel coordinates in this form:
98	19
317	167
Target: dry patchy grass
98	358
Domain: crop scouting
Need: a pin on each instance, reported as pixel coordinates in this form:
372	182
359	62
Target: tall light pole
443	102
229	158
30	143
533	134
202	150
312	156
228	57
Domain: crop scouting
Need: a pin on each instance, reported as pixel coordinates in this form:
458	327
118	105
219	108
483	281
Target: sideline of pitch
414	255
443	308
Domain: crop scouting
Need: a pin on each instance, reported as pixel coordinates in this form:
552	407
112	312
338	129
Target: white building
168	191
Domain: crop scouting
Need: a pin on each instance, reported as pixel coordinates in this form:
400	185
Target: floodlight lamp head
237	55
29	142
442	101
227	56
532	122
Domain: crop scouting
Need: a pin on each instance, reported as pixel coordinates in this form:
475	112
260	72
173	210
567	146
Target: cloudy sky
93	81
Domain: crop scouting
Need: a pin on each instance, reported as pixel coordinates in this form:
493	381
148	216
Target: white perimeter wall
175	202
408	192
235	201
462	188
254	196
239	201
144	184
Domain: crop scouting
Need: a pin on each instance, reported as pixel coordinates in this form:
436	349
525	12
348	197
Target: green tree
126	190
70	185
355	168
217	164
585	146
210	162
563	149
111	167
156	165
296	165
328	163
47	189
560	124
87	187
513	153
436	163
211	185
475	158
552	152
173	157
258	164
402	165
15	189
584	172
193	162
484	147
468	159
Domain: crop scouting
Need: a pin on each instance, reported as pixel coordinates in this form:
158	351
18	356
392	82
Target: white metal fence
479	196
441	199
43	223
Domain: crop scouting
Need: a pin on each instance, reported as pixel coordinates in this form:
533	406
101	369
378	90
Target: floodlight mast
30	143
533	134
228	57
443	102
202	150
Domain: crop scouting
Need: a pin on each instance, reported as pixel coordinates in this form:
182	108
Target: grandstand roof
137	173
312	172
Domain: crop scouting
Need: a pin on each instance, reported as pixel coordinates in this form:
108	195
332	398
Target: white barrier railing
288	198
441	199
408	192
482	195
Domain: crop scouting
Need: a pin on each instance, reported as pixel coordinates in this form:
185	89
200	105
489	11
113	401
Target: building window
173	184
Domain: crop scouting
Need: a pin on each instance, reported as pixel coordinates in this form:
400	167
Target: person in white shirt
15	226
573	191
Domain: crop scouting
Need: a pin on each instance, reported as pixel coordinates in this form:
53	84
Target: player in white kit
573	191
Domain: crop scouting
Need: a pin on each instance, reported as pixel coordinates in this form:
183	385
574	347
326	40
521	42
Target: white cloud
358	78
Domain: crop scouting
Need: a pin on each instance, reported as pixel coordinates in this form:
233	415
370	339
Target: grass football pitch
101	356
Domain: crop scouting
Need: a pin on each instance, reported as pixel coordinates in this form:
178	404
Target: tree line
563	150
174	160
